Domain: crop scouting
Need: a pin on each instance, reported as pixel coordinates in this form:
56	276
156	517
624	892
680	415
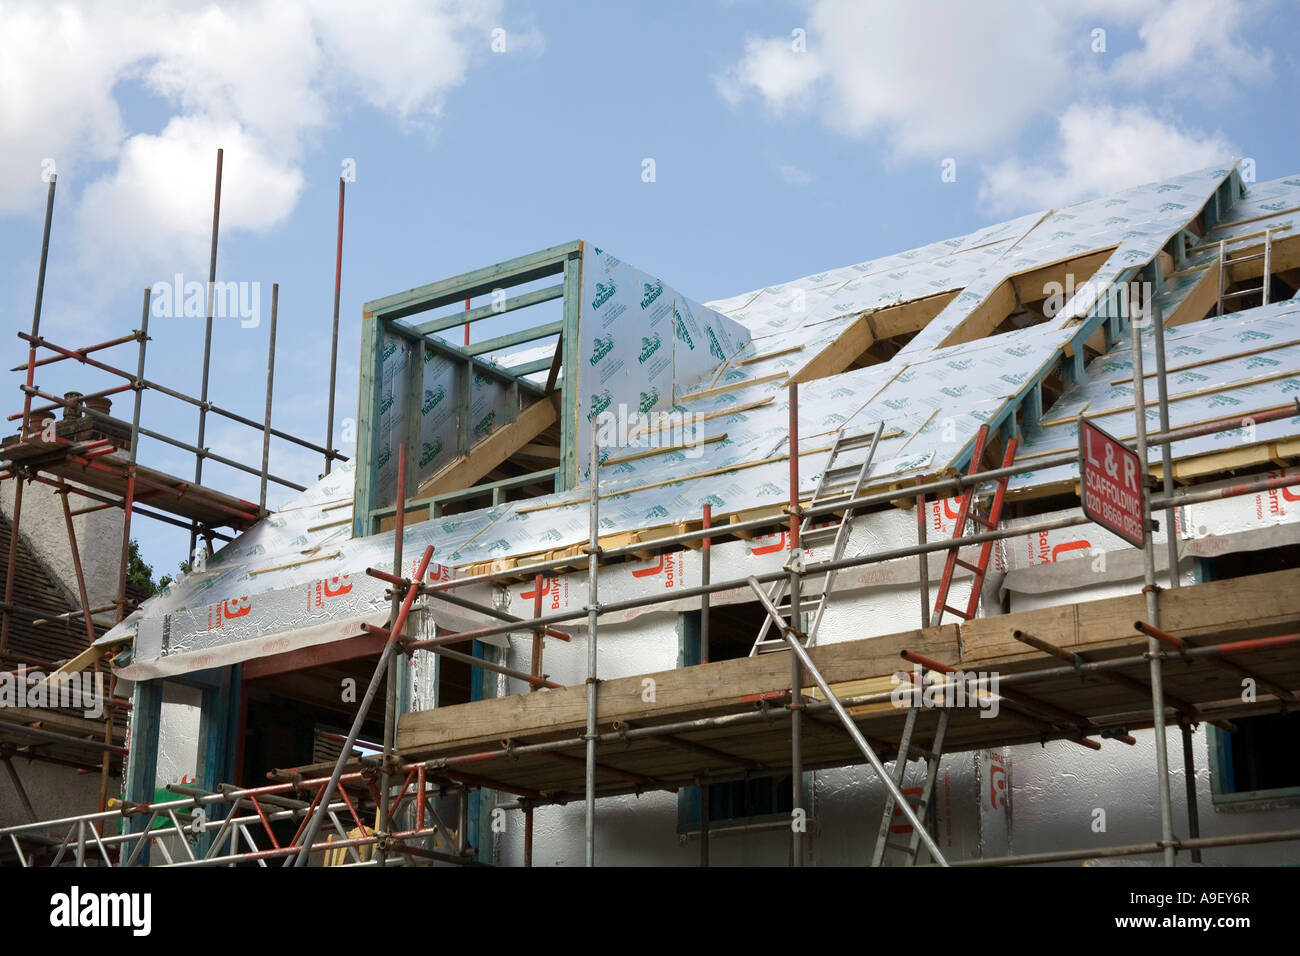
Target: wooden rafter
493	450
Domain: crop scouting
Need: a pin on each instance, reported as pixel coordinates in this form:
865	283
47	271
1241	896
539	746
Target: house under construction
798	577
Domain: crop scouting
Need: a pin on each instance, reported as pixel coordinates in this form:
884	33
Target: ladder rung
766	647
839	479
967	565
961	614
857	441
980	519
816	534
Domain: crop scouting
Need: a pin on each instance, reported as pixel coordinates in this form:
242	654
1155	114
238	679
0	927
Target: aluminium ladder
765	645
910	849
1226	263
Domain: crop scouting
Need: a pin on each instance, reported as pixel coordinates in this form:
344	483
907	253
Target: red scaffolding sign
1111	483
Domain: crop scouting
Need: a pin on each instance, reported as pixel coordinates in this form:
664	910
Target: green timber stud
414	402
365	495
530	368
1009	429
1032	404
512	272
483	686
464	406
572	339
518	338
142	756
218	734
470	316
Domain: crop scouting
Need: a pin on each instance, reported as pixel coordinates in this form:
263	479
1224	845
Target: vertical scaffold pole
1166	449
1171	542
1149	588
593	611
797	824
270	390
535	667
27	410
207	344
705	569
334	339
923	568
390	689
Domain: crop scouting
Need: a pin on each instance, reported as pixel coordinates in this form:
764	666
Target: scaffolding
315	800
410	794
93	455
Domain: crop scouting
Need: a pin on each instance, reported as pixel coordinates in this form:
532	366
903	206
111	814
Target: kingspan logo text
599	349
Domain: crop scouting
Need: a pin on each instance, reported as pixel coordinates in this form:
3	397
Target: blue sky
787	138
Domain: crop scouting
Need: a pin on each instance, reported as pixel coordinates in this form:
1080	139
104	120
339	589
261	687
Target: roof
35	588
950	336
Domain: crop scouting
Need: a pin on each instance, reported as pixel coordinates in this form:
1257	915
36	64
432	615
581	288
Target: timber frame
388	315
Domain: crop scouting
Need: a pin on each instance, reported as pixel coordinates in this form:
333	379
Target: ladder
830	477
989	521
905	852
1225	264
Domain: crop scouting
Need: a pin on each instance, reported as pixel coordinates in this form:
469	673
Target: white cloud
1100	149
261	79
1204	35
162	187
926	82
930	79
773	67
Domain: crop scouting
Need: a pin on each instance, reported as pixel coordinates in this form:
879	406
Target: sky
723	146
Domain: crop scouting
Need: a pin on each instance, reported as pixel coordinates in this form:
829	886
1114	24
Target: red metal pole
1023	701
1219	658
76	564
12	563
1257	644
78	353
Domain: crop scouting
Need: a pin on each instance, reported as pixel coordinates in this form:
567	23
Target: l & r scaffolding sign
1111	484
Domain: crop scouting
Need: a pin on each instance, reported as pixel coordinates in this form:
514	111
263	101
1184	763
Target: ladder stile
776	594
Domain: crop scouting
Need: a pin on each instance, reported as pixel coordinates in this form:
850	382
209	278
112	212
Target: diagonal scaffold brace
381	669
791	637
